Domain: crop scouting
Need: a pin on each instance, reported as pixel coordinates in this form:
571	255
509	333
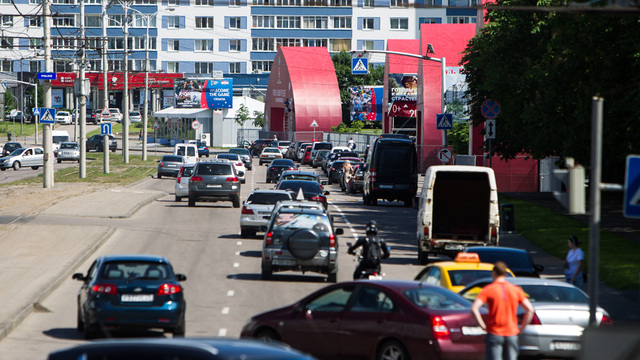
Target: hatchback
181	188
256	210
214	181
135	117
63	117
277	167
10	147
203	149
30	156
237	163
130	291
170	165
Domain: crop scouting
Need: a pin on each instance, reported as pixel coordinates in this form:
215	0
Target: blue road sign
444	121
632	187
47	76
105	129
490	109
359	66
47	116
36	111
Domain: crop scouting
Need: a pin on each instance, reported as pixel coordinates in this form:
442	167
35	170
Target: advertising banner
57	98
167	98
203	94
403	95
366	103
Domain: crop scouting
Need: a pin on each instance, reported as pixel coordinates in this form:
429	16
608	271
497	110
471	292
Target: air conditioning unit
206	138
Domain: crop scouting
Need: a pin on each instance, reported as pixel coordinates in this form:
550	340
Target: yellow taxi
455	275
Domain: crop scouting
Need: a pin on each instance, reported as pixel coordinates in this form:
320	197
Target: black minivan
391	171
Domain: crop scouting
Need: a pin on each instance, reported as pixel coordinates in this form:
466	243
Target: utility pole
82	99
105	83
125	117
145	119
47	141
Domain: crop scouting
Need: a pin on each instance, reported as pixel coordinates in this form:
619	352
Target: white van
458	208
59	136
188	151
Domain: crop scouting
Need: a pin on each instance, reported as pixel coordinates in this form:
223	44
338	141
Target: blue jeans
501	347
579	281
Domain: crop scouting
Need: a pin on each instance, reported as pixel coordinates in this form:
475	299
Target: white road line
353	231
115	190
236	265
230	293
225	311
138	192
222	332
239	242
237	252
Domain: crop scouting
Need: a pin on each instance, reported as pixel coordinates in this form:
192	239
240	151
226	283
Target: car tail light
494	235
239	164
332	169
606	321
332	241
292	168
535	320
263	155
272	169
161	165
105	289
372	175
232	178
169	289
268	239
247	211
319	198
425	231
196	178
439	327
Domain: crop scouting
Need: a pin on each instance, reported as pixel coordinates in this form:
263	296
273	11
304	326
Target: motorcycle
371	274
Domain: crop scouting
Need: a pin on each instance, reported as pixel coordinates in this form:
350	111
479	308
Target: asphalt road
223	288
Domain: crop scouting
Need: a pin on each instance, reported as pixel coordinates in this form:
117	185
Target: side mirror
327	193
298	165
78	276
181	277
340	231
263	228
539	268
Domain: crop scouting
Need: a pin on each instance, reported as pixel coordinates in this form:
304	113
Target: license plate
472	330
137	298
565	345
213	186
386	186
284	262
454	247
170	165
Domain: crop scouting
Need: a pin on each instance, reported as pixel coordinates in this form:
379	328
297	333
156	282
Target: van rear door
395	165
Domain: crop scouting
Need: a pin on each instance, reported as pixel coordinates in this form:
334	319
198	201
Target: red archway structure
303	94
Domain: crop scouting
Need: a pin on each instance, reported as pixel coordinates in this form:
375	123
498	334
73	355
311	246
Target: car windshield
555	294
17	152
201	144
514	260
239	151
214	169
436	299
172	158
130	270
293	221
113	111
283	162
307	186
267	198
228	156
68	146
60	138
464	277
63	113
299	177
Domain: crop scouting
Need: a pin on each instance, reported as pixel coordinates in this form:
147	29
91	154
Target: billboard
203	93
403	95
366	103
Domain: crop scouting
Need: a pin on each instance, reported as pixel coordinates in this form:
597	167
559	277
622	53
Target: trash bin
507	218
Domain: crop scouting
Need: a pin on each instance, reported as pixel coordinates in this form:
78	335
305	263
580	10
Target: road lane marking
225	311
237	252
115	190
222	332
239	242
236	265
344	217
230	293
138	192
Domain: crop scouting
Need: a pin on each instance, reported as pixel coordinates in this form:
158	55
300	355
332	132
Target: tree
242	115
544	68
258	120
458	138
9	103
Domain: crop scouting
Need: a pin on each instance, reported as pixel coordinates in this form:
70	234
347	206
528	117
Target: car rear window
307	186
130	270
267	198
300	177
556	294
436	299
68	146
272	150
187	172
396	158
228	156
323	146
172	158
283	162
239	151
214	169
294	221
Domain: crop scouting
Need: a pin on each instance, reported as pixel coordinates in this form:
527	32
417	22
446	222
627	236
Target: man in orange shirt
502	299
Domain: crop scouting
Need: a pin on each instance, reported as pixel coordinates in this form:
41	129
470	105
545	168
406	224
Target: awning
172	112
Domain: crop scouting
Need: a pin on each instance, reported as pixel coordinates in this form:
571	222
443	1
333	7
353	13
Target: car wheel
3	169
304	244
267	335
266	274
35	167
178	198
423	256
243	181
113	150
333	277
89	332
79	323
59	161
100	149
244	233
392	350
374	201
16	165
236	202
159	176
409	202
365	199
180	330
192	201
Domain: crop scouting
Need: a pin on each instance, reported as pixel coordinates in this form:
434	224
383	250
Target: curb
6	329
139	206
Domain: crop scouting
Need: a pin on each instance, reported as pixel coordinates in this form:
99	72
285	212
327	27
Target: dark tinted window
214	169
323	146
283	162
68	146
307	186
239	151
464	277
395	158
514	260
188	171
267	198
299	177
123	270
346	154
228	156
172	158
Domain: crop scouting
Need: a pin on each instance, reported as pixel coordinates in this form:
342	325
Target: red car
306	158
375	320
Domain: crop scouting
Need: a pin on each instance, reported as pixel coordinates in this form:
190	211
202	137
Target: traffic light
568	187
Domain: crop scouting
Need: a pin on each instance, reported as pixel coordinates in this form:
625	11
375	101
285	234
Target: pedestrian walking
502	299
351	144
573	263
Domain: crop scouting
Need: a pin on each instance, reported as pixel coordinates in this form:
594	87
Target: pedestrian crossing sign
359	66
444	121
47	116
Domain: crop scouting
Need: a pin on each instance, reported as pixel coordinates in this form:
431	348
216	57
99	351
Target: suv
214	181
259	145
300	238
95	142
256	210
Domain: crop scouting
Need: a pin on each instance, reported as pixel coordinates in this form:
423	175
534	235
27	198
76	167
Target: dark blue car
203	149
130	291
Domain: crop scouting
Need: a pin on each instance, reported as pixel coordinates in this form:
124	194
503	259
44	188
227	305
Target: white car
256	210
269	154
284	146
238	164
182	182
135	117
116	115
64	117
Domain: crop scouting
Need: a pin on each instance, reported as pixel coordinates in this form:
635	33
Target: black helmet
372	226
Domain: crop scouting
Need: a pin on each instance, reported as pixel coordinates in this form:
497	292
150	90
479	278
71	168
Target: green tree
544	68
9	103
242	115
31	93
258	120
458	138
342	65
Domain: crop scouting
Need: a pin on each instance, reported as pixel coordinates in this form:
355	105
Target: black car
519	261
259	145
277	167
300	175
192	349
10	147
130	291
335	173
95	143
311	190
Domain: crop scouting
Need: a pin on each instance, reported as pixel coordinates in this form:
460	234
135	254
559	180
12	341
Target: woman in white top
573	262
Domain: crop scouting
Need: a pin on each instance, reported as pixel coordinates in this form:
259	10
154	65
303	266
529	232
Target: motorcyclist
371	239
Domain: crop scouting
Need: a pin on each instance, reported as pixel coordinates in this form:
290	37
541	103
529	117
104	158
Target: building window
428	20
6	20
234	68
399	3
35	1
145	2
173	22
288	22
261	66
116	20
62	66
204	22
367	24
173	3
94	21
116	65
235	45
314	42
173	45
336	45
461	19
262	44
315	3
141	21
315	22
286	2
367	45
340	2
342	22
96	65
204	2
235	2
59	43
64	1
204	45
400	24
7	66
116	43
6	43
139	42
289	42
369	3
34	66
234	23
34	21
203	68
35	44
173	67
264	22
64	20
92	2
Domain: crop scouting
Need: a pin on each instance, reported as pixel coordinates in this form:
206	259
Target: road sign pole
47	140
490	154
105	151
443	91
594	218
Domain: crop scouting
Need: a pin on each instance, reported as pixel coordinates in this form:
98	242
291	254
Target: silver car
561	315
68	151
182	182
170	165
29	156
256	210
